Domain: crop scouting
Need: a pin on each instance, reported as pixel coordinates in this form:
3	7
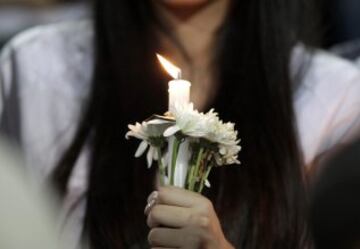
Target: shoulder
73	33
327	102
323	68
45	78
48	52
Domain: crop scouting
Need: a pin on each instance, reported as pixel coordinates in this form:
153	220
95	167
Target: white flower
208	126
148	132
207	183
222	133
189	121
226	137
228	154
138	131
192	124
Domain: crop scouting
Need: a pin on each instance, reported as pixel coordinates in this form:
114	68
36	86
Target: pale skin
183	219
194	23
180	218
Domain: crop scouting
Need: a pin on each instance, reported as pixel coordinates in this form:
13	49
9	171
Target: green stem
161	167
175	152
196	170
190	173
190	176
206	175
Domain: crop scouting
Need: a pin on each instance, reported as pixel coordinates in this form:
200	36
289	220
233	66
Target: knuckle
193	241
204	222
208	206
199	221
205	208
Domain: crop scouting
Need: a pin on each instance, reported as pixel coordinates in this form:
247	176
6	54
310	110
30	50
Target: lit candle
179	93
179	89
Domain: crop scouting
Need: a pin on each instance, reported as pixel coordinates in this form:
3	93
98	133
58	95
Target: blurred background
339	21
18	15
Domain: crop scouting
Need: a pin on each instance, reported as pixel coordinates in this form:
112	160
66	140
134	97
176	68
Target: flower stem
161	167
204	178
175	152
195	175
189	175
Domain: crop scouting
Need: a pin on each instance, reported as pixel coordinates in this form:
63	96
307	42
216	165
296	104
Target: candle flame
172	70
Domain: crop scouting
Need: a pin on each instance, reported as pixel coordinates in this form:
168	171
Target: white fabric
26	217
45	75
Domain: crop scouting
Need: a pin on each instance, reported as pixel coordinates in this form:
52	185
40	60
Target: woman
100	78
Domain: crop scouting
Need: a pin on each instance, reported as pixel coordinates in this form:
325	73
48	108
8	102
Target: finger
169	216
165	238
178	197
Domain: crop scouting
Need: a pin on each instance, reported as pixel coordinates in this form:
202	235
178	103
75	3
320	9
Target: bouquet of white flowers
210	143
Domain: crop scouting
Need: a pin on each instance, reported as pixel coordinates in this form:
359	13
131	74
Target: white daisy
148	132
189	121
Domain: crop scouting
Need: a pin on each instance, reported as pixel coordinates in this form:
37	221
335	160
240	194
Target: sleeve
344	128
44	80
345	125
327	106
342	104
29	100
337	92
9	101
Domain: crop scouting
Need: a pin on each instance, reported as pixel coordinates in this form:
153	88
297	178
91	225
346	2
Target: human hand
179	218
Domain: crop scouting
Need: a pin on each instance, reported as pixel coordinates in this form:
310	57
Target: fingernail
154	195
149	206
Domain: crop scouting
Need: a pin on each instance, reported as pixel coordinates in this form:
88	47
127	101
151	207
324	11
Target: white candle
179	89
179	93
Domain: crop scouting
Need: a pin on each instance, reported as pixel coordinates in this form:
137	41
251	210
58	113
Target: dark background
339	20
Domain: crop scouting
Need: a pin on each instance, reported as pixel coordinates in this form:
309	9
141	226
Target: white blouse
45	76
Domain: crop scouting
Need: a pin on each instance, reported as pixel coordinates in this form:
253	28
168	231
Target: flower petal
171	131
207	183
128	135
159	122
141	149
138	131
150	156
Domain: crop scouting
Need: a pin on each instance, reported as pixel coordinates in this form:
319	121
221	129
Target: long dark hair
261	204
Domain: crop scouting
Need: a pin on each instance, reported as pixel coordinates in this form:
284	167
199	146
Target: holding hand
179	218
